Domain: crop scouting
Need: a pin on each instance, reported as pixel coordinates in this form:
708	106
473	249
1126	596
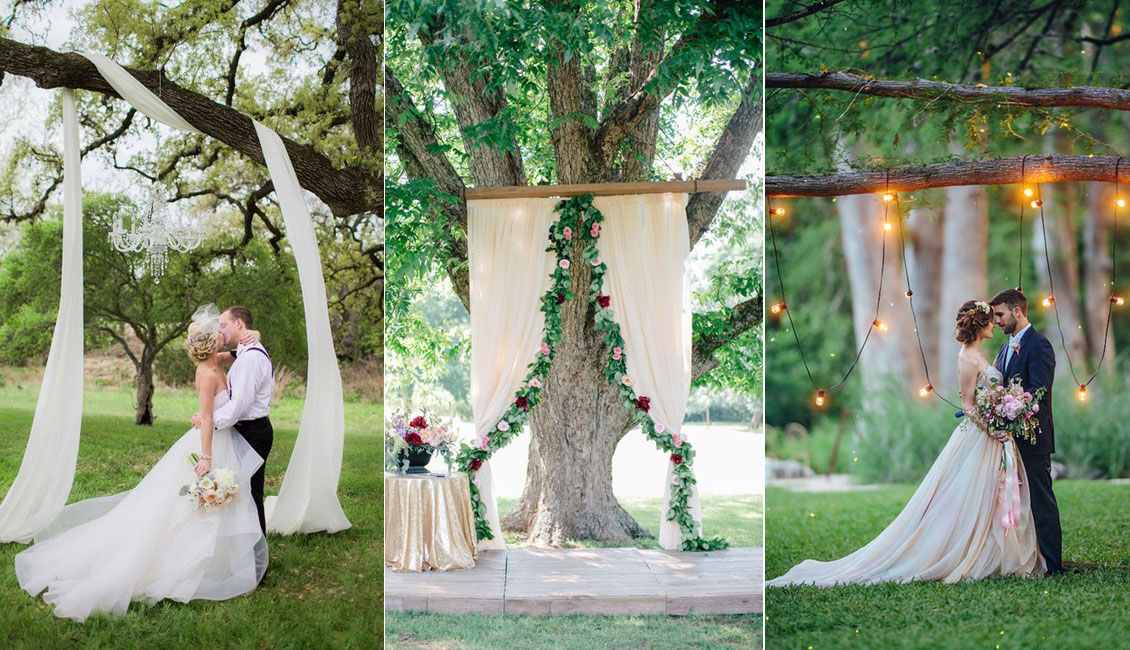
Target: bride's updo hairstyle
203	333
201	342
973	316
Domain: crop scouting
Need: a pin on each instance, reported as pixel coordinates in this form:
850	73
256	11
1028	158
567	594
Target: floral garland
574	212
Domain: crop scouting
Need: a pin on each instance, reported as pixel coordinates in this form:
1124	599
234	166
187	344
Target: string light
1118	301
1036	203
819	398
926	390
887	226
909	294
1120	203
1028	192
1082	392
777	308
887	196
1049	301
880	325
778	212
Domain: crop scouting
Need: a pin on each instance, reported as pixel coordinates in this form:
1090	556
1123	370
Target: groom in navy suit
1029	356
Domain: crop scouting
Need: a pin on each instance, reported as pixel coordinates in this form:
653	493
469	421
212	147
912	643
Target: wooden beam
603	189
998	171
927	90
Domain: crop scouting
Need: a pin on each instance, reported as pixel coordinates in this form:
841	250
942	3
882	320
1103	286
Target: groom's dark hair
1010	297
242	313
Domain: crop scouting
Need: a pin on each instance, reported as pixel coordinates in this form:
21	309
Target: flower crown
979	306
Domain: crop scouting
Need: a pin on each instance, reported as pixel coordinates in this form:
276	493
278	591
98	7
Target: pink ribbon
1010	491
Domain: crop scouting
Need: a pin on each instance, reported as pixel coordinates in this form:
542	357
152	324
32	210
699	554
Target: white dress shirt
1013	342
251	383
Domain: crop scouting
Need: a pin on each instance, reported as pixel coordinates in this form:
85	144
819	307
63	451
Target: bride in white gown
954	526
150	543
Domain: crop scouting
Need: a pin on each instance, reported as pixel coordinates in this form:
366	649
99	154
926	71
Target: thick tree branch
745	316
1054	168
803	13
730	151
345	191
924	89
355	22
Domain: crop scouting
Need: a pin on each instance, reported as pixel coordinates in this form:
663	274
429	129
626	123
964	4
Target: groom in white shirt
251	384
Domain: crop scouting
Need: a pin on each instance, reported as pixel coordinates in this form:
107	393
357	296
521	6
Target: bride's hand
250	337
999	436
195	421
203	467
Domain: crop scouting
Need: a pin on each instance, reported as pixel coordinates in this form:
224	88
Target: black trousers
260	435
1045	510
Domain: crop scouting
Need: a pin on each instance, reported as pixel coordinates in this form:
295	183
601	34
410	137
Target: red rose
561	298
418	422
414	439
643	404
475	464
522	403
677	459
603	301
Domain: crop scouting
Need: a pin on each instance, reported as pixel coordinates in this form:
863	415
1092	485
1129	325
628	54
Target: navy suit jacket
1034	363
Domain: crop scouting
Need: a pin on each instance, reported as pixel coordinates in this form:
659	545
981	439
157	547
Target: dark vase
418	459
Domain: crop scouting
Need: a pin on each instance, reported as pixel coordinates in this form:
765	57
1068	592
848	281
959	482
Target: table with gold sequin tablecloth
429	523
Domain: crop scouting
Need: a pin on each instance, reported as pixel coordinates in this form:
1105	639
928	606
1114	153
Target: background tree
306	68
569	92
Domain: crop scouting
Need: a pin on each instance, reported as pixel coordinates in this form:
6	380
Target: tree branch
730	151
345	191
797	15
924	89
125	345
1054	168
744	316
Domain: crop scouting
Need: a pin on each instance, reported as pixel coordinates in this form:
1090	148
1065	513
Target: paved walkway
614	581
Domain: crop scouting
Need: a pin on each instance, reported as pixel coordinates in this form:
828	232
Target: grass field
1083	609
737	518
323	591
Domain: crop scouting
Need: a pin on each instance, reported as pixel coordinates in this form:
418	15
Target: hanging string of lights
1050	302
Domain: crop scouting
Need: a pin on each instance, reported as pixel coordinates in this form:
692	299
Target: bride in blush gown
151	543
954	527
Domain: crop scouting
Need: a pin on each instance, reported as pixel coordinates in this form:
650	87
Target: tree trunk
144	413
890	354
1097	266
574	432
923	262
964	272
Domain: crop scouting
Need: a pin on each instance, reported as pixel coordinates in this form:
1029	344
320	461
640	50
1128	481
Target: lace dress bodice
989	376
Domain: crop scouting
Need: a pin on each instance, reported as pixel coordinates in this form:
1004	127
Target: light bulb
1036	203
780	212
1082	393
880	324
1049	301
1117	300
1120	203
887	226
1028	192
777	308
925	390
820	398
909	293
888	197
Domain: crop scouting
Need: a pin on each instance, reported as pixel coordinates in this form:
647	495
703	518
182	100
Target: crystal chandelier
155	230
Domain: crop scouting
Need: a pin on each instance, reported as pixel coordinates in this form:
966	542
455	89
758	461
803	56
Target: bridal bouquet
1011	409
422	434
215	489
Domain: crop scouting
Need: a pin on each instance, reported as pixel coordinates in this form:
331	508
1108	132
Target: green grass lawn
737	518
323	590
1083	609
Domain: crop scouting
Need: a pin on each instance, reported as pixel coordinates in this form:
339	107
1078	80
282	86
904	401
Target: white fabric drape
509	272
645	244
307	500
48	468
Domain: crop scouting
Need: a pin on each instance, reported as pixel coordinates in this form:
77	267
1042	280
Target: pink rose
545	348
596	262
659	427
617	353
568	233
563	264
483	443
1035	408
595	230
678	440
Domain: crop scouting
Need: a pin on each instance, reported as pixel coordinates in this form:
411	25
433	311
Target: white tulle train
149	543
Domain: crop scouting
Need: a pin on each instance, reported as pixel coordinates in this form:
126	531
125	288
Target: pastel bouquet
215	489
410	442
1011	409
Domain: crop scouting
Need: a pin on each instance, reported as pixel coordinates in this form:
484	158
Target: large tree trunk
891	354
144	412
574	432
1097	266
964	271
